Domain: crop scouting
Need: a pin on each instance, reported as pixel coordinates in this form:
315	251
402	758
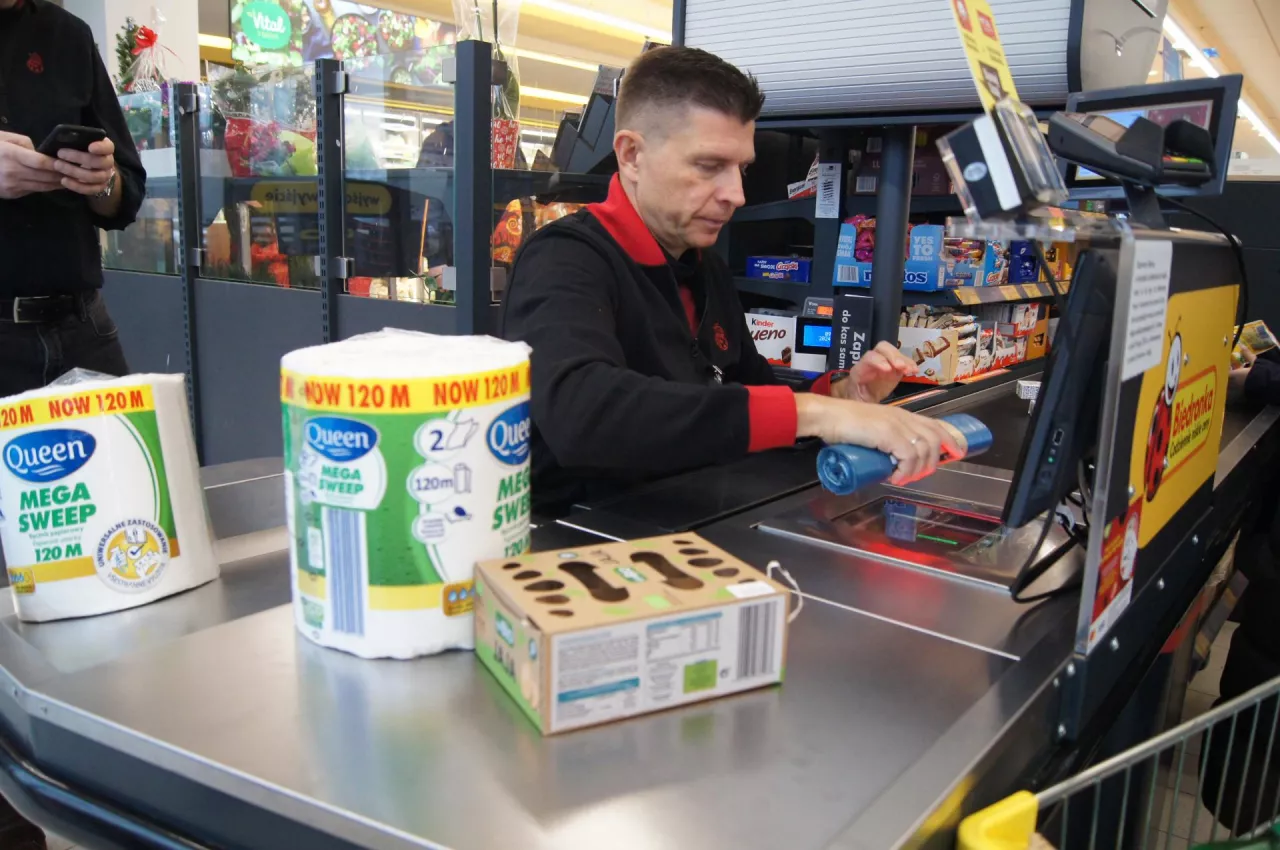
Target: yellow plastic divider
1007	825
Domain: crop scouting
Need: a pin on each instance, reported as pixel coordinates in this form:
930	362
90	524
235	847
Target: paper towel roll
406	461
101	507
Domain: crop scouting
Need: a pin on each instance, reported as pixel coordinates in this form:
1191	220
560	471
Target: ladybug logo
1161	432
722	340
35	64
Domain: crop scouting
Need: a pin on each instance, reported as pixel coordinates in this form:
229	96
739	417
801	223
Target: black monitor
1211	104
1065	423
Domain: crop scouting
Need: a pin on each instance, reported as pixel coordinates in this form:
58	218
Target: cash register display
900	527
816	336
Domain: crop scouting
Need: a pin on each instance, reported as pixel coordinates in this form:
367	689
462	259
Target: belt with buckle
40	309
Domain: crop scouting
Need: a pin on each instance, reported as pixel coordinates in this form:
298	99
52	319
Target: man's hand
875	376
23	171
87	173
915	441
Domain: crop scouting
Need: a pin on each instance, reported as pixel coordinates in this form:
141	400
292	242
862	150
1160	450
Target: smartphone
71	136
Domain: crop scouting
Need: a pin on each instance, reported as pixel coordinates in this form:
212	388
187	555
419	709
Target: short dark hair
686	76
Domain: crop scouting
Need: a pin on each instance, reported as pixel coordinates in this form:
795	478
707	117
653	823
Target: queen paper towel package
101	507
406	462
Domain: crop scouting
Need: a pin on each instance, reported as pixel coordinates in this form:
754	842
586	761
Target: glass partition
398	122
149	244
259	189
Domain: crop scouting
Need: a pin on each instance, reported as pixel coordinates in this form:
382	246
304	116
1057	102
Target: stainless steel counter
207	711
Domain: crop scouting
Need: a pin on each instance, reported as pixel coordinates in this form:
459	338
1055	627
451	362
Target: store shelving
782	290
804	208
960	296
972	296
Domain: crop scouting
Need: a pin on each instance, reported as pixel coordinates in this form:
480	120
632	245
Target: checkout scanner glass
924	530
1210	104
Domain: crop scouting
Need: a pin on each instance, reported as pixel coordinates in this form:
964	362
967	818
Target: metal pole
334	267
677	22
184	107
833	147
472	185
893	208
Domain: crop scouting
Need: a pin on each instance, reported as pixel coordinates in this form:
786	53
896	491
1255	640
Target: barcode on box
757	637
866	184
344	536
847	274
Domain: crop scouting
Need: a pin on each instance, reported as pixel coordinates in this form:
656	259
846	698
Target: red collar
624	224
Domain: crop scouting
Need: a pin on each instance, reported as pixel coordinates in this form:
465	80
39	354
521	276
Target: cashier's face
684	172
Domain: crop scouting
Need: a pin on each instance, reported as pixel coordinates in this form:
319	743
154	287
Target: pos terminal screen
1112	124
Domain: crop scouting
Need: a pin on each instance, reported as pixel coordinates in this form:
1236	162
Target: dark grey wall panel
243	330
358	315
148	310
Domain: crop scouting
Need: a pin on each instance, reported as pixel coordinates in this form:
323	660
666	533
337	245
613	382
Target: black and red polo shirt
643	365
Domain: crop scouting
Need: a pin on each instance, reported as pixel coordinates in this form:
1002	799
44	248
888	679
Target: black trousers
32	355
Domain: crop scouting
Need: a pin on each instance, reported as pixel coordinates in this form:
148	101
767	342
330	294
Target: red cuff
822	386
772	415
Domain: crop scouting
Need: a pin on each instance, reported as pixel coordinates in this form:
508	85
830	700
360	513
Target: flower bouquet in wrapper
270	121
497	23
141	56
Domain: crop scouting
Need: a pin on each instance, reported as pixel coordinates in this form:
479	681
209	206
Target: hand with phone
23	170
87	172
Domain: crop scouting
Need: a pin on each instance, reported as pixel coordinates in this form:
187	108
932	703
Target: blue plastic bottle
846	469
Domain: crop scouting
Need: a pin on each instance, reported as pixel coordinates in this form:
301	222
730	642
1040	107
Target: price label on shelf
828	203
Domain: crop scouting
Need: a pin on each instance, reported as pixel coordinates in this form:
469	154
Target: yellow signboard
981	40
278	197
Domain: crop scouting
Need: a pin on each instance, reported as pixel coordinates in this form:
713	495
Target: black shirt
51	74
632	380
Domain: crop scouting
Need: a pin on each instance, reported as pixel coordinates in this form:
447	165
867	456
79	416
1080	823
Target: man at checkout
642	362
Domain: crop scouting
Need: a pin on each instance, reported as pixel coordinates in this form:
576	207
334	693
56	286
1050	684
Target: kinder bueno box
1020	319
794	269
926	266
1011	349
775	337
936	354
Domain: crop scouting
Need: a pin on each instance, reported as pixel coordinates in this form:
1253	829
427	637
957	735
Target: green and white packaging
101	506
406	462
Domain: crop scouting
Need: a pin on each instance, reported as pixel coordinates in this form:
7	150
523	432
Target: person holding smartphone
54	87
52	317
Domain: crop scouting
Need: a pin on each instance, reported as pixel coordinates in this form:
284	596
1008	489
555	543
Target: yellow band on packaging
76	405
454	598
26	578
411	395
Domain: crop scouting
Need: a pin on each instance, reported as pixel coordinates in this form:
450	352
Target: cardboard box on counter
583	637
935	352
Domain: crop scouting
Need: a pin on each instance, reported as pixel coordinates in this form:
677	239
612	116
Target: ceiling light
537	56
1183	43
557	96
601	18
215	41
